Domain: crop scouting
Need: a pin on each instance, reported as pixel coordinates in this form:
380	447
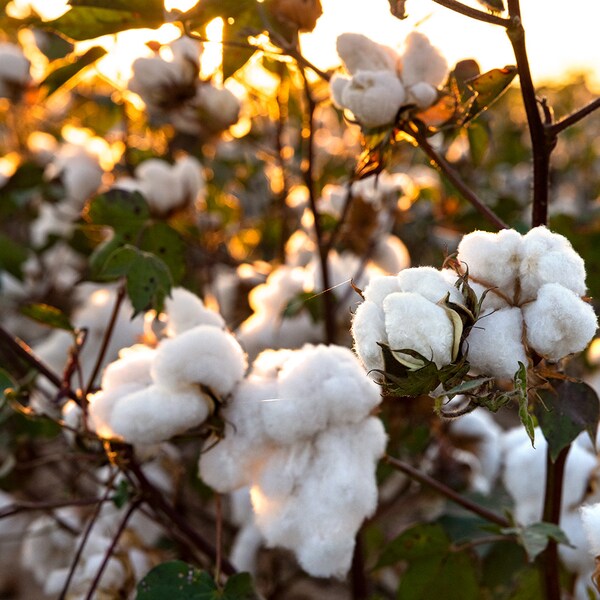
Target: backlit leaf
48	315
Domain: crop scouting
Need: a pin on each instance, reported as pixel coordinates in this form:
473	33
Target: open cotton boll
390	254
559	322
132	368
429	283
14	71
548	257
338	85
221	106
203	355
368	328
493	258
590	517
422	94
359	53
381	286
495	344
413	322
577	558
374	97
422	62
186	311
319	386
159	185
189	171
157	413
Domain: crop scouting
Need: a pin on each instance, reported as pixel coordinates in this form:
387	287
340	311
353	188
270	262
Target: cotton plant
151	394
381	81
173	92
286	426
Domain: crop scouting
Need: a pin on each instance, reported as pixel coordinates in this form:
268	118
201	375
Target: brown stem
555	472
360	584
556	128
218	536
282	115
106	341
22	350
455	179
541	146
449	493
309	179
474	13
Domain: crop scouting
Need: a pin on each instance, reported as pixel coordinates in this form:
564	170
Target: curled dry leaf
303	14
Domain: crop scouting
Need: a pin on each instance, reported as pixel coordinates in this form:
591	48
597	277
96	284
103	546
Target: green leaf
420	541
564	413
122	494
151	9
48	315
126	212
520	382
12	256
489	87
66	69
239	587
534	538
207	10
479	141
176	580
166	243
465	386
235	57
88	22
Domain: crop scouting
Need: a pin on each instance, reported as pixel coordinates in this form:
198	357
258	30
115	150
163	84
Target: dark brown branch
474	13
455	179
358	577
449	493
556	128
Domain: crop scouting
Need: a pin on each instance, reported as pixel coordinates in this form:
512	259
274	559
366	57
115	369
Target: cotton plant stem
444	490
474	13
358	576
280	125
552	507
556	128
444	166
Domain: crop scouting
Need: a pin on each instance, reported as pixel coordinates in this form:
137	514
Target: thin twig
474	13
282	115
218	536
446	491
455	179
554	129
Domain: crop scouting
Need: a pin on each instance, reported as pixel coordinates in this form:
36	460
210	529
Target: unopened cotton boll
590	516
548	257
559	322
495	344
422	62
203	355
359	53
415	323
374	97
185	311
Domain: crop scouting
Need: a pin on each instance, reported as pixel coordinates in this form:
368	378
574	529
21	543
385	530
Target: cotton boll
413	322
590	517
368	329
186	49
14	71
202	355
390	254
283	468
133	368
186	311
429	283
578	559
52	220
380	287
157	413
558	322
549	258
422	94
338	85
221	106
159	185
422	62
245	547
359	53
494	344
374	97
492	258
189	171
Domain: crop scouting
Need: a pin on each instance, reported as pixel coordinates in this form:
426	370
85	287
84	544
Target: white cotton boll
413	322
492	300
548	257
359	53
422	94
492	258
558	322
338	85
186	311
422	62
390	254
368	328
133	368
283	468
189	171
153	77
113	577
578	559
584	586
429	283
157	413
52	220
495	344
14	70
245	547
374	97
101	405
269	362
319	387
590	517
221	106
160	186
203	355
186	49
380	287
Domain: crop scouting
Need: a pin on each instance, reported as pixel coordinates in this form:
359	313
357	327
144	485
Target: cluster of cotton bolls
51	543
14	71
173	92
535	282
166	187
152	394
382	81
299	434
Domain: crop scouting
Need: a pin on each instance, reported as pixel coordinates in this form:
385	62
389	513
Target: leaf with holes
489	87
163	241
